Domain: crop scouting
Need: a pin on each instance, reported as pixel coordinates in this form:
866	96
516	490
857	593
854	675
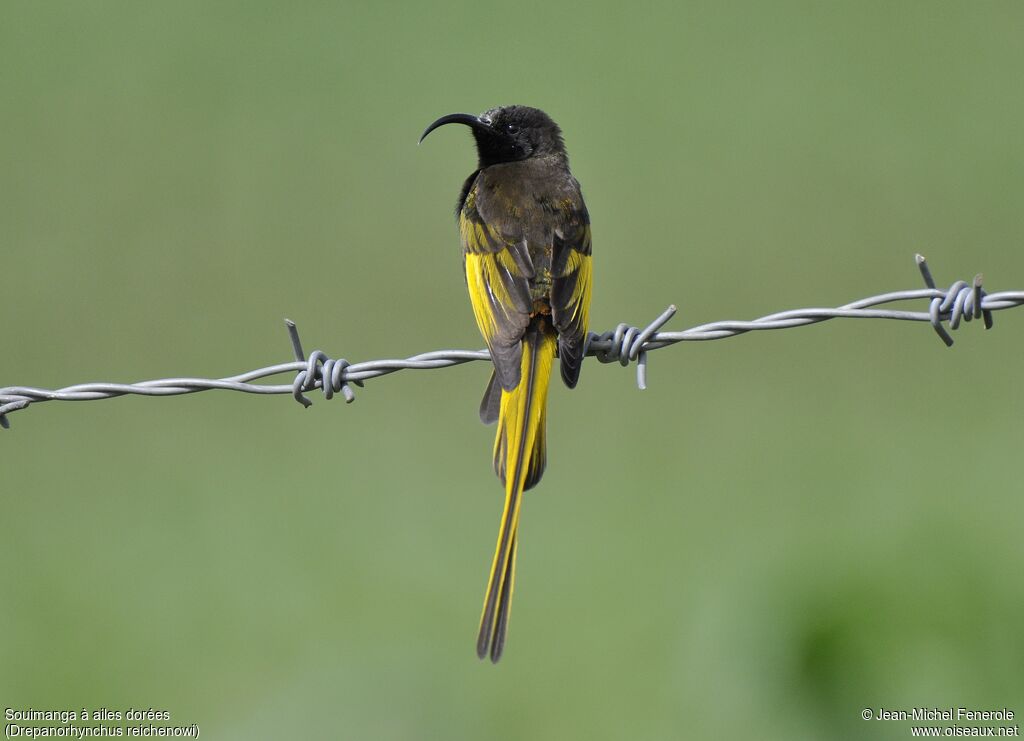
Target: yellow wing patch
578	304
487	292
498	291
570	298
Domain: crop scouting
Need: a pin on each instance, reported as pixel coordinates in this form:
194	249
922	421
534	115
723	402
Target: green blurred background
784	529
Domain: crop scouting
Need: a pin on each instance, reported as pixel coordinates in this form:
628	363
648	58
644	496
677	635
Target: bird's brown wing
571	287
498	270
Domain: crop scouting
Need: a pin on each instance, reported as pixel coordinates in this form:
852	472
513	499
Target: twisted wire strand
961	302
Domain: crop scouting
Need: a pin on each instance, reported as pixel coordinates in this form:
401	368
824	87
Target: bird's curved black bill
462	118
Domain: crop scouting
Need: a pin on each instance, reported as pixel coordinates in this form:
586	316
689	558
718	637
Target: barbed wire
962	301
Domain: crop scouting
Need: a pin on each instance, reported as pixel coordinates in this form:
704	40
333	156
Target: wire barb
960	302
625	344
321	372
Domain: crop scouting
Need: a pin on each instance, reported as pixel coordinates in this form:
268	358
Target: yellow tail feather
519	461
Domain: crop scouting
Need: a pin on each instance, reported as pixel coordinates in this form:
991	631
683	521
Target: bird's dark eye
512	128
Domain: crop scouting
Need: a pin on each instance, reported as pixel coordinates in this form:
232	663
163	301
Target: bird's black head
509	134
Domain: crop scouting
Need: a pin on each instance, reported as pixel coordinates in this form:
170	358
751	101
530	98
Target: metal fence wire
961	302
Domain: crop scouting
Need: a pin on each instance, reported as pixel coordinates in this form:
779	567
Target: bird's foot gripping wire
320	372
627	343
960	301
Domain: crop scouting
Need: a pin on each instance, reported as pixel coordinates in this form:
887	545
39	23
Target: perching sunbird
526	249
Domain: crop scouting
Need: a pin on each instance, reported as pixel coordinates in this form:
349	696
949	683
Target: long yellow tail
519	460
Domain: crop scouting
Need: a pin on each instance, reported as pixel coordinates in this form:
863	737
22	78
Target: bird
526	247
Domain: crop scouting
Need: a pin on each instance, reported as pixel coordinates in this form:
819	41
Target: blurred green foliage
784	529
